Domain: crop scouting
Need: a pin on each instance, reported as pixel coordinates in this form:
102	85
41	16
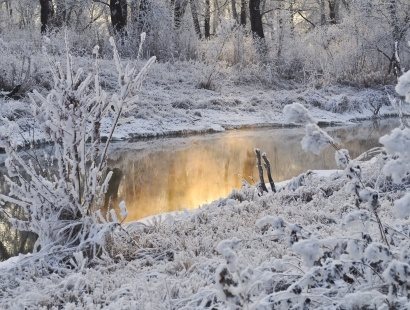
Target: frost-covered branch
61	206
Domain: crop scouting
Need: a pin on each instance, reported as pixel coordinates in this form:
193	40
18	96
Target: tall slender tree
179	11
333	11
243	12
119	11
256	18
234	11
194	12
45	11
207	19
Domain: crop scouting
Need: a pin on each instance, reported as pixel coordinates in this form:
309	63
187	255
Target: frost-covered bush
397	145
367	249
61	194
315	139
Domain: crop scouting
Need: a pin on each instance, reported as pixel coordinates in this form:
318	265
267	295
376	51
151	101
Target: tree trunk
135	16
207	19
333	11
243	12
3	252
268	171
280	30
234	11
260	170
44	15
118	10
256	18
322	12
195	19
395	59
215	15
291	19
179	11
9	9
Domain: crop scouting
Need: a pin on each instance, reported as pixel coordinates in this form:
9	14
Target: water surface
183	173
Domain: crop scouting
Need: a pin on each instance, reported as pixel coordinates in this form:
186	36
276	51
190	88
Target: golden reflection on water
178	176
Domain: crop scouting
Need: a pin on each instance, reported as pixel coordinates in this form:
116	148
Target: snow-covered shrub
367	250
397	145
310	250
342	158
316	139
297	113
62	194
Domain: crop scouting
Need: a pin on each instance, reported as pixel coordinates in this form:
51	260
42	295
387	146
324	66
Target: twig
381	228
268	170
260	170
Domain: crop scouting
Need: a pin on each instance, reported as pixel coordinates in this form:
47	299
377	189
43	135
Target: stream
173	174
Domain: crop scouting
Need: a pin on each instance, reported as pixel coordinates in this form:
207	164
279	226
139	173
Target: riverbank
172	104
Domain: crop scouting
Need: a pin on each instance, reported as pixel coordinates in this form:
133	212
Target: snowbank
306	245
171	103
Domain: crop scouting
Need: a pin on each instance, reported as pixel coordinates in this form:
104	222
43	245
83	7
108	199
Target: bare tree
333	11
194	12
280	31
234	11
395	65
256	18
243	12
140	15
45	10
322	12
61	10
207	19
179	11
119	10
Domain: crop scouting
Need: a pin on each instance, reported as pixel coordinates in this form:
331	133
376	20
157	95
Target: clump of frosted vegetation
403	86
297	113
363	265
316	139
397	145
61	194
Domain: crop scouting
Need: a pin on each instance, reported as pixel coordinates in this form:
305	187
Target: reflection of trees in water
249	166
111	196
12	241
360	138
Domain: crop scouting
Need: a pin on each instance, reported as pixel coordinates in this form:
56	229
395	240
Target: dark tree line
55	14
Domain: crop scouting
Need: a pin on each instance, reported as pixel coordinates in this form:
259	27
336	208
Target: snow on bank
307	247
172	103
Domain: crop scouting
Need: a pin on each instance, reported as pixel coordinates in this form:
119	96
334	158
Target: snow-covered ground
172	103
307	246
